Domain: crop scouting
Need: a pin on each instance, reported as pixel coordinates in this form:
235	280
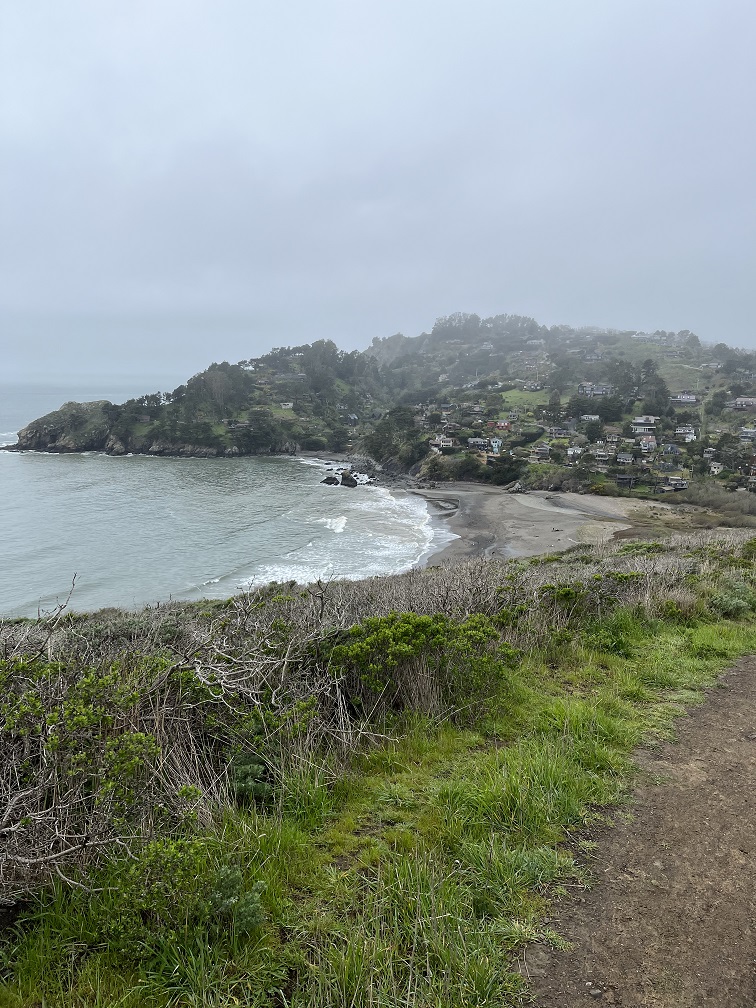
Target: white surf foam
334	524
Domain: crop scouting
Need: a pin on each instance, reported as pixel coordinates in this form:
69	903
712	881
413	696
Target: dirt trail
670	921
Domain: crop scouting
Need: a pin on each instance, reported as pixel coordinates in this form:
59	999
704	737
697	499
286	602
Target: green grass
408	877
517	399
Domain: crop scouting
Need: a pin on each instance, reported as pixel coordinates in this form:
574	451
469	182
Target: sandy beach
490	522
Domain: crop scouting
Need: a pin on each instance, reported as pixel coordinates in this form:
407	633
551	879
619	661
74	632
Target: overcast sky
189	180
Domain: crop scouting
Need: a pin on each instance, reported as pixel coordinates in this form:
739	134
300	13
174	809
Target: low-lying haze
186	180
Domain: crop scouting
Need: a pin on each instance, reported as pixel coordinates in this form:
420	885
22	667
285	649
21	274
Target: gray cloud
209	179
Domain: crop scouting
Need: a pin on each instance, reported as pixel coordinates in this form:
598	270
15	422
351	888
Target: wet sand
491	522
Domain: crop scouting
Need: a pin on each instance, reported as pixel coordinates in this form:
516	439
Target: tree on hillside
653	388
594	430
623	375
504	470
609	408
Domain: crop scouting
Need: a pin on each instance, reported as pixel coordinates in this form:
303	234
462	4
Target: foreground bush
349	793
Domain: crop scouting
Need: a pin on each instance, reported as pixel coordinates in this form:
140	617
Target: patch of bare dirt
669	922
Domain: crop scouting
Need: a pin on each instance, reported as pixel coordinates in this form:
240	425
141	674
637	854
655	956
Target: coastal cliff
95	426
309	398
75	427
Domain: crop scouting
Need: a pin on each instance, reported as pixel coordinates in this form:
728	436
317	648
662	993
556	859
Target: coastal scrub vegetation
347	793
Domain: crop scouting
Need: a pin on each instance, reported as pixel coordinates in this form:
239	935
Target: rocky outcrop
75	427
171	448
114	446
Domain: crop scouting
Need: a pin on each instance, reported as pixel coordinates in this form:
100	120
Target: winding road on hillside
670	920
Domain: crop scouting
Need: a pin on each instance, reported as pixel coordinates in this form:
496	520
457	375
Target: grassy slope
408	877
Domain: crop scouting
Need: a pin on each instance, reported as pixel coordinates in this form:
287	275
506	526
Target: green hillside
494	399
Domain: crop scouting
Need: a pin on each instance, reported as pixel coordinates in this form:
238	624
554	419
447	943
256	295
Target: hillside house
477	442
644	425
625	458
590	417
591	389
716	468
647	443
684	399
686	433
441	441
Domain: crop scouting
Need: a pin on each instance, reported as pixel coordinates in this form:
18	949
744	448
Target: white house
439	442
640	426
685	433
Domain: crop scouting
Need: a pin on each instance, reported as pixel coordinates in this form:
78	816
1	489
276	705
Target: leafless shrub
117	724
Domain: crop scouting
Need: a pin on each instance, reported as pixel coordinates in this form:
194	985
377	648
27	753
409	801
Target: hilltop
500	399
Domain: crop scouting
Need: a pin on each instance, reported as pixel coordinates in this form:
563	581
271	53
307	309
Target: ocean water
128	531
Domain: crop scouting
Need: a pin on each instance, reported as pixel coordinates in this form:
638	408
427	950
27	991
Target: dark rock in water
331	480
348	480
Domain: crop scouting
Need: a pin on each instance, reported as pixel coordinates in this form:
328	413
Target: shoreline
468	520
489	522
